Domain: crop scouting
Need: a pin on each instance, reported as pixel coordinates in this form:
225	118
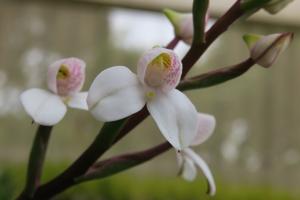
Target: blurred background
254	152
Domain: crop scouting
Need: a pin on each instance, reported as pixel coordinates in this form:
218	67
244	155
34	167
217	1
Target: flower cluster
117	93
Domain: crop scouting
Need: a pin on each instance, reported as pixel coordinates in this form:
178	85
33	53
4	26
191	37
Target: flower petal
44	107
115	93
78	100
206	126
175	116
188	169
201	164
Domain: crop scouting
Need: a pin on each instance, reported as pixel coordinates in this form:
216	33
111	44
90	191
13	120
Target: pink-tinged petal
78	100
115	94
187	166
44	107
159	69
206	126
66	76
201	164
176	117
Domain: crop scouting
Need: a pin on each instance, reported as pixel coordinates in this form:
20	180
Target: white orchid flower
65	80
189	161
117	93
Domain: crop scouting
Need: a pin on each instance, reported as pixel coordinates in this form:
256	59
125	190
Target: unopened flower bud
183	24
265	49
66	76
274	6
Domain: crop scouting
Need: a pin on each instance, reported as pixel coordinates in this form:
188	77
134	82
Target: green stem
103	141
36	161
121	163
216	77
199	20
220	26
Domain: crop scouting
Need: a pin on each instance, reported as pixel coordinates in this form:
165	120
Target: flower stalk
101	144
199	20
217	76
220	26
121	163
36	161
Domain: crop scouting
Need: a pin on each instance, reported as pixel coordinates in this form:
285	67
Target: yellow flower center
63	72
158	69
150	95
162	62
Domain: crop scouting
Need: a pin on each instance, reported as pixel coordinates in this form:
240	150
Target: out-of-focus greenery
145	187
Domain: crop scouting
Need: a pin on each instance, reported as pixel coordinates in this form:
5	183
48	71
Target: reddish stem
173	43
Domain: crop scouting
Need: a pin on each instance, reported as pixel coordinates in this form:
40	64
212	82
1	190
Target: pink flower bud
183	24
160	68
66	76
265	49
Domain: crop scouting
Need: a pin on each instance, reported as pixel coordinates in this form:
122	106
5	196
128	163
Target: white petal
44	107
52	75
201	164
188	170
175	116
78	100
206	126
144	61
115	93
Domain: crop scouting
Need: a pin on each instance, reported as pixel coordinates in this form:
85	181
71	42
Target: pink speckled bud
66	76
160	69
